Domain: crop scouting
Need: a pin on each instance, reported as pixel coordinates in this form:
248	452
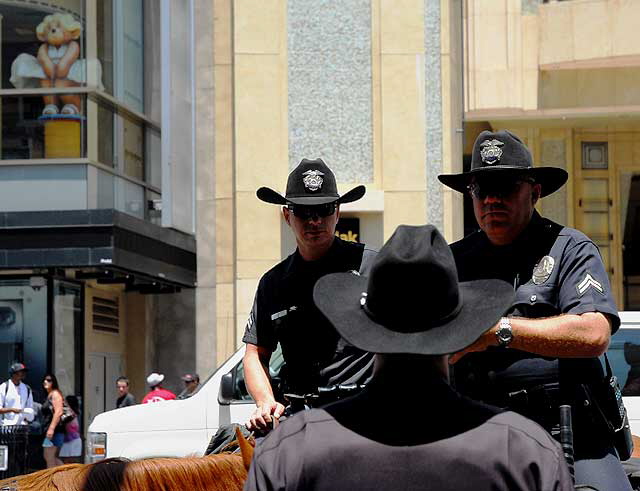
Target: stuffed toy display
58	64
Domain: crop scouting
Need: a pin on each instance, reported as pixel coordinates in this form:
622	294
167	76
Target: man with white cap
283	310
157	392
412	312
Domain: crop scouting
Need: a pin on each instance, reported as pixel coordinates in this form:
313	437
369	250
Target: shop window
27	133
23	328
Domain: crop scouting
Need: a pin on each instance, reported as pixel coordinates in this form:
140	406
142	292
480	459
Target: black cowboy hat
310	183
504	152
412	301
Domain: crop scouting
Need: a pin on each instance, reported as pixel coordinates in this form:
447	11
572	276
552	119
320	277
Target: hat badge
312	179
491	151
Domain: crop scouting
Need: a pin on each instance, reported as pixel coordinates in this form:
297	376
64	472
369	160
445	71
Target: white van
181	428
176	428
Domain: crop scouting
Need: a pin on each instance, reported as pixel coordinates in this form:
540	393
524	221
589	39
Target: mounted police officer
545	351
283	310
412	311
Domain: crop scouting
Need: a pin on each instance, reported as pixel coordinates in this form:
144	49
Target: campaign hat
499	153
311	183
412	301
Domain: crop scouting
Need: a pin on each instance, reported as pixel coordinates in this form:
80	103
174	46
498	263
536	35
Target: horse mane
67	477
212	472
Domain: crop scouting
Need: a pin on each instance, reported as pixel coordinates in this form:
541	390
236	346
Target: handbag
67	414
608	402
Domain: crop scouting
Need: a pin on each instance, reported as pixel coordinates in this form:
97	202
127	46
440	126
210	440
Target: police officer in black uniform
545	351
283	310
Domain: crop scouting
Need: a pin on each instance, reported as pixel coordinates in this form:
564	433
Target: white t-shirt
19	397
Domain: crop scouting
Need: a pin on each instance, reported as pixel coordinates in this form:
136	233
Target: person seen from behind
157	392
412	312
125	398
52	413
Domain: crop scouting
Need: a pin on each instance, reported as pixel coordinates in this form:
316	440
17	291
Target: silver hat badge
491	151
312	179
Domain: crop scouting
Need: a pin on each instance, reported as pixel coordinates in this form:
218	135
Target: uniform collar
296	262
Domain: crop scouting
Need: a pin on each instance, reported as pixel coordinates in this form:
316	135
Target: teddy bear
57	64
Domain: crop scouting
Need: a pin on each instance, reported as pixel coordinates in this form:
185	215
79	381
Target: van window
624	356
240	392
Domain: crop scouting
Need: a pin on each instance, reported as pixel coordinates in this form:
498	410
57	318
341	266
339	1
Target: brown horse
210	473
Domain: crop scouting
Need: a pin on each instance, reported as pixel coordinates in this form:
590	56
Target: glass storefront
113	120
630	230
24	329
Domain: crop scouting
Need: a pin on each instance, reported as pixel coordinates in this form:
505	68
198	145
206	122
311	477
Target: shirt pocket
535	301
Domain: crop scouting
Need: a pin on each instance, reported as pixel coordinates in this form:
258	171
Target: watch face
504	335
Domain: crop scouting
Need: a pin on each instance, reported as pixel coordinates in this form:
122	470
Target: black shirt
125	400
283	311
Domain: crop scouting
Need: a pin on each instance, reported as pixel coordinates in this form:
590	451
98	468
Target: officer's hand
487	339
262	417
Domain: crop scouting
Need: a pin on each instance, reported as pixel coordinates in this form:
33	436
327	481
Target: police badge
312	180
491	151
543	270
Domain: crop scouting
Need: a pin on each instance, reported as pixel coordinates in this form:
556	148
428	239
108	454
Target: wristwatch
504	332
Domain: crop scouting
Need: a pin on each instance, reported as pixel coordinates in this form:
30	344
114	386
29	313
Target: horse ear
246	449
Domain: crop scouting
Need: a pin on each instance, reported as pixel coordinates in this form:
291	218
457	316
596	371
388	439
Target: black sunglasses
48	379
306	212
498	188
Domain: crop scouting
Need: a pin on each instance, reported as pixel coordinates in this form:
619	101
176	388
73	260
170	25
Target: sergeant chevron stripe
588	282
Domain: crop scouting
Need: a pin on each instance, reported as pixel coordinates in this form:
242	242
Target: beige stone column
261	140
400	58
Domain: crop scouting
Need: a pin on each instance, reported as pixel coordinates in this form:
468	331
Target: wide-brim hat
412	301
310	183
155	379
503	152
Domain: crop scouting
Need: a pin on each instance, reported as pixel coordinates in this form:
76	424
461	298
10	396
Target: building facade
99	191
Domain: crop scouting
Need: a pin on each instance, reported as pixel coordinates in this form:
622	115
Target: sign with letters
348	229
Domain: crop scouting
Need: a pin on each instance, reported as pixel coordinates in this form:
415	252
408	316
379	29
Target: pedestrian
191	385
283	310
544	352
71	450
125	398
16	399
411	311
157	392
52	409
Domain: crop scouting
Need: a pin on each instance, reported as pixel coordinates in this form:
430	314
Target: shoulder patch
589	282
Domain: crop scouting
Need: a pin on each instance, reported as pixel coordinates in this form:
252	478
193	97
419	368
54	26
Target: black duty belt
532	400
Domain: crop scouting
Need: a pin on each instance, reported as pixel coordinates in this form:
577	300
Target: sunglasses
306	212
48	379
498	188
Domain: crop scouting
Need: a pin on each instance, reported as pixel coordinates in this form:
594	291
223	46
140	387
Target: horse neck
213	473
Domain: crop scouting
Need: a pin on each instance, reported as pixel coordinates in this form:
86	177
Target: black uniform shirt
555	270
461	445
283	311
